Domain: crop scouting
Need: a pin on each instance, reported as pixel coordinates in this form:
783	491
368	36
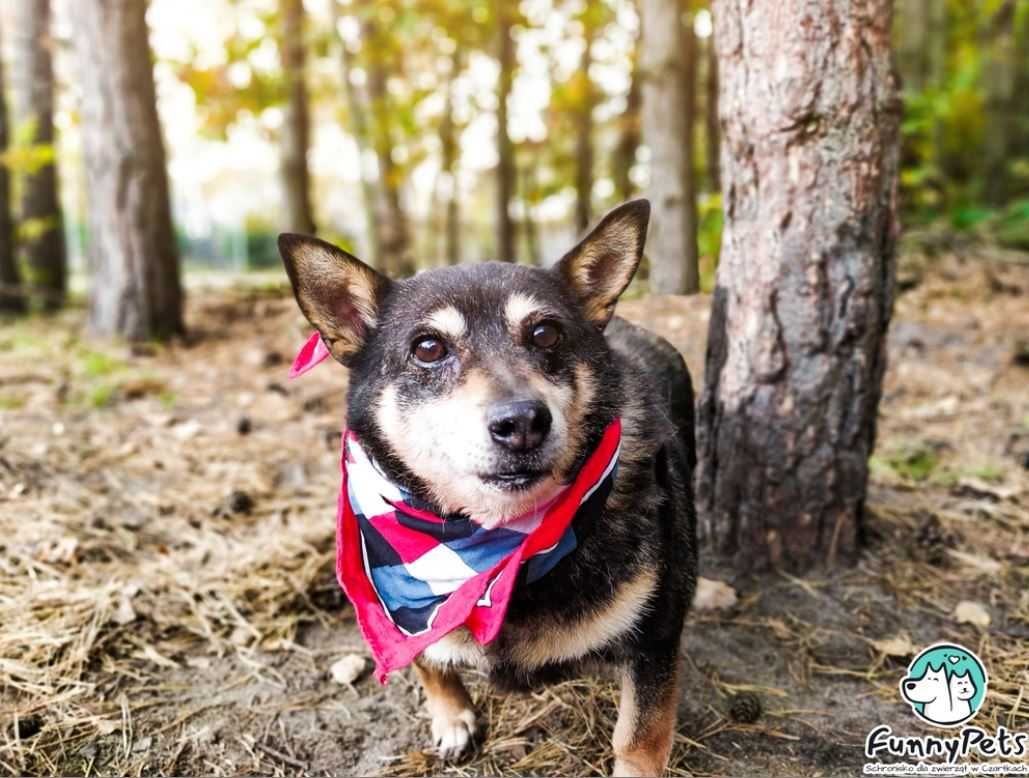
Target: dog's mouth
514	480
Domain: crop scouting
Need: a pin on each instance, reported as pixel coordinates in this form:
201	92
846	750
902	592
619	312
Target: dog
481	390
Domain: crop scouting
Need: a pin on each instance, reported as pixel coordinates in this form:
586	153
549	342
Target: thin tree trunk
712	132
1000	79
395	237
358	113
529	226
584	139
39	207
797	343
505	149
296	129
451	155
668	133
137	291
11	294
629	137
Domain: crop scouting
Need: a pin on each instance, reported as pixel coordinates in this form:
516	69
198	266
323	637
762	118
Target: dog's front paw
452	733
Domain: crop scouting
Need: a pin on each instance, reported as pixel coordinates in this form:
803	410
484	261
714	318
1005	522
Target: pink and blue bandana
413	576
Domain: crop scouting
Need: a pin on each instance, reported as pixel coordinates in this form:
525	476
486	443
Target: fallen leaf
896	646
968	612
348	669
713	595
982	563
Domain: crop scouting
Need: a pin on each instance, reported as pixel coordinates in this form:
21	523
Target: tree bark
394	234
797	343
39	207
296	129
11	293
451	155
629	137
137	291
505	149
712	132
357	110
584	135
667	132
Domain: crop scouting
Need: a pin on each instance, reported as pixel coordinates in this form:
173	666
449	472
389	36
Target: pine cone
745	708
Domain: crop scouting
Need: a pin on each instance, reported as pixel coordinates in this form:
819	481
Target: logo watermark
945	686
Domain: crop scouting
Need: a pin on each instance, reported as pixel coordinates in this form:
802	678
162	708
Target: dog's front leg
646	716
450	706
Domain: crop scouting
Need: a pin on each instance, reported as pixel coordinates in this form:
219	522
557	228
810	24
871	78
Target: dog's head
478	387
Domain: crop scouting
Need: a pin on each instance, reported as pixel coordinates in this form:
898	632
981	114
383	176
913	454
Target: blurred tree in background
136	289
11	300
425	132
40	228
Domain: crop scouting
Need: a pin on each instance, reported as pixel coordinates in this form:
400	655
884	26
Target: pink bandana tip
312	354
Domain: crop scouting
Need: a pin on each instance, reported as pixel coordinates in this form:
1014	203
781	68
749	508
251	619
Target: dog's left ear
338	293
600	268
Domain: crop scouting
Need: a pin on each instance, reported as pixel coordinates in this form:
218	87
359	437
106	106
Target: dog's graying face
476	386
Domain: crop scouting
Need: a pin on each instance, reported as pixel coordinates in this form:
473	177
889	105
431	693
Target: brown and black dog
431	357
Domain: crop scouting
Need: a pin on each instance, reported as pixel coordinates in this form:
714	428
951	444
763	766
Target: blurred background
434	131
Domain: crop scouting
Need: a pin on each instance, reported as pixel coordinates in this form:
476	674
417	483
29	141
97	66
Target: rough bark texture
39	206
296	129
667	132
712	132
357	112
505	149
382	58
797	344
136	287
11	300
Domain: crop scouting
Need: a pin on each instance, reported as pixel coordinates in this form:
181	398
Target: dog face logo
945	685
480	388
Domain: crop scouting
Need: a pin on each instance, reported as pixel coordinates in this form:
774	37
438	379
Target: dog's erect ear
338	293
604	262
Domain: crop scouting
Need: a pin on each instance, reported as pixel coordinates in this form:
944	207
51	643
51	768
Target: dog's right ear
339	294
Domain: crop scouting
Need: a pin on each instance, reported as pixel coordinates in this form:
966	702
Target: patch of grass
985	472
11	402
913	463
97	364
102	395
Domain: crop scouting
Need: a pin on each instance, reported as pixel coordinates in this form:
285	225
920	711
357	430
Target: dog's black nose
519	426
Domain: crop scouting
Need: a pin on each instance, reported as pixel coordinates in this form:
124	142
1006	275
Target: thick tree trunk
712	132
394	235
137	292
451	155
11	299
584	136
296	129
668	133
629	136
797	344
505	149
529	227
39	207
357	111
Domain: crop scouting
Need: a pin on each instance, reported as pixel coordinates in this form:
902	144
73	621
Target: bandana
413	576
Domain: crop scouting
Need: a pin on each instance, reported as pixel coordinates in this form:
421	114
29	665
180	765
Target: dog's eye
546	335
429	350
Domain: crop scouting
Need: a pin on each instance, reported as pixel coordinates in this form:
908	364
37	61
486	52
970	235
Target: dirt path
167	602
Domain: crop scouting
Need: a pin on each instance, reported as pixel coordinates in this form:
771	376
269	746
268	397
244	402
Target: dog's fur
621	597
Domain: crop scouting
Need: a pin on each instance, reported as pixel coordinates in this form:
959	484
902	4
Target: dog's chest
535	643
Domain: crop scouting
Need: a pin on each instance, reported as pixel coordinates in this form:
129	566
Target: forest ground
167	601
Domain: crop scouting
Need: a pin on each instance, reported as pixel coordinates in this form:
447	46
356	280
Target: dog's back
663	368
